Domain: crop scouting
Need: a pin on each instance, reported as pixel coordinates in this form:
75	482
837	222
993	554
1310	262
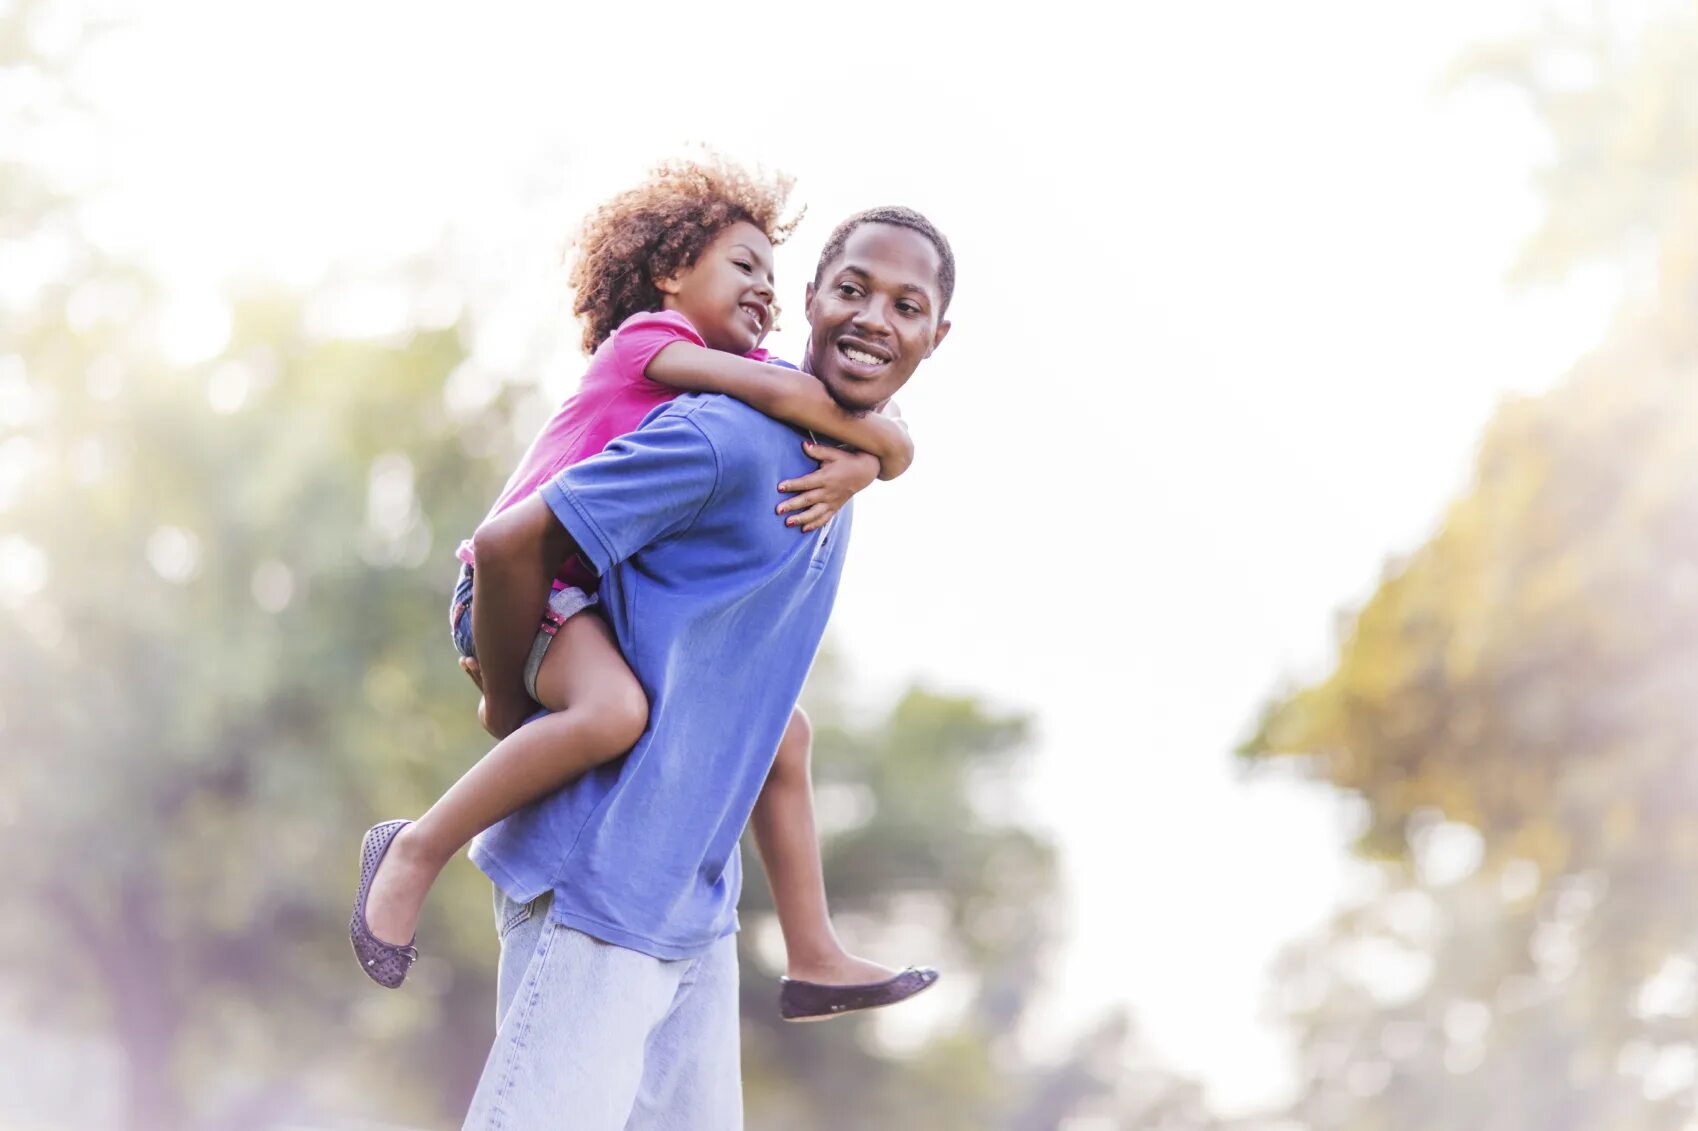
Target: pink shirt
612	399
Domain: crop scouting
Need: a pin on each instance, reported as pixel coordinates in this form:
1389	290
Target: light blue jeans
595	1037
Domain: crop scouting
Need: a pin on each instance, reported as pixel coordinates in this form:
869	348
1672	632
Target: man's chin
852	396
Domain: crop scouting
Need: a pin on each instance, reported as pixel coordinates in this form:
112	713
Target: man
618	984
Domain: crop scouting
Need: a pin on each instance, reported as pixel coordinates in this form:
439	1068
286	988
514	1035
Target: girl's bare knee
626	712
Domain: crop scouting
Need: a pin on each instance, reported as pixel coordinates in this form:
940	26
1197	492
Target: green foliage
918	853
235	660
1524	685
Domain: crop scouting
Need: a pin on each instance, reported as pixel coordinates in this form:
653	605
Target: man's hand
498	723
470	667
820	494
501	717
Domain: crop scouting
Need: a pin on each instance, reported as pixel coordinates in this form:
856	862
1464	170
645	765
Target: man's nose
873	316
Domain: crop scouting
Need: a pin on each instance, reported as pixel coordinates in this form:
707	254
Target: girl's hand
820	494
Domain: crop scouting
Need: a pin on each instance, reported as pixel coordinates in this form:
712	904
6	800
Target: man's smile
862	359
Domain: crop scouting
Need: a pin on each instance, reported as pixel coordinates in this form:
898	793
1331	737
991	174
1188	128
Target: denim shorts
563	605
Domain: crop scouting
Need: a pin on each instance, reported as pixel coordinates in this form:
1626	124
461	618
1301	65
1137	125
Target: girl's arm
783	394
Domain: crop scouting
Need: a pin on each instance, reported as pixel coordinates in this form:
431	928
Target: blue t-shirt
719	608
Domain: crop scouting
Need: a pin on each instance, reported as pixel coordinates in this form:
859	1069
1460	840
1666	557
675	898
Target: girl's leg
599	713
783	821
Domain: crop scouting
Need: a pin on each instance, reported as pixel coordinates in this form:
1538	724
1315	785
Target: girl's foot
800	1000
839	970
384	963
398	890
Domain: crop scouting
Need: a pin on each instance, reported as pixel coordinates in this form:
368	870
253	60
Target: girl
674	287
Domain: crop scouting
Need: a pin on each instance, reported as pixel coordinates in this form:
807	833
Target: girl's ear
670	285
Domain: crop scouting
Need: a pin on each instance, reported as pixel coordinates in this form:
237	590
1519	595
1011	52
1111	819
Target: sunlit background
1270	698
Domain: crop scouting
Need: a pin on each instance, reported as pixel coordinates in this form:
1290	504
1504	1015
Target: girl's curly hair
659	228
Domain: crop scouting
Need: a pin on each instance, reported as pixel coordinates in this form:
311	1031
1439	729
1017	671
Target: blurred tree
222	602
217	666
928	853
1514	707
911	849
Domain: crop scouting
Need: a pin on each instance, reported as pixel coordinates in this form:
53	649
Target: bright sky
1231	315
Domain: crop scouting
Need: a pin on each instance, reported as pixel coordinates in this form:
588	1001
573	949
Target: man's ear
808	301
937	338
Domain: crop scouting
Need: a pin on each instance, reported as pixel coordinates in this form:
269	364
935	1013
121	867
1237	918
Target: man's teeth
861	357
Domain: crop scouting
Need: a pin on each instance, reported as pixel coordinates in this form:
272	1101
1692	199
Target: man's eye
907	308
848	290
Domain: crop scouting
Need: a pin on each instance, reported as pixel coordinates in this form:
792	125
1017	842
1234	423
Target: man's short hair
901	218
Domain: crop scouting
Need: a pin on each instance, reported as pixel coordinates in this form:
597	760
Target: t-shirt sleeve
645	486
641	336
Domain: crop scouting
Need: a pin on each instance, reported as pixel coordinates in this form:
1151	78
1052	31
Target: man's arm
518	553
783	394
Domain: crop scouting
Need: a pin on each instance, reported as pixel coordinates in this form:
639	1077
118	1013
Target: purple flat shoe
813	1001
384	963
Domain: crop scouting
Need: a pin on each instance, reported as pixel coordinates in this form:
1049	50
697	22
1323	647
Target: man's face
874	315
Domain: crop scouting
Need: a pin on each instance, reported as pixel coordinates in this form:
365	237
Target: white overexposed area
1232	311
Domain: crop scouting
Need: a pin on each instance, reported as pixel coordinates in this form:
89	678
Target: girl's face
727	292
